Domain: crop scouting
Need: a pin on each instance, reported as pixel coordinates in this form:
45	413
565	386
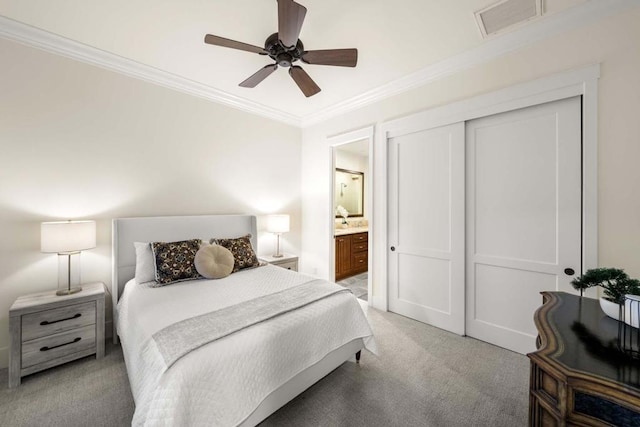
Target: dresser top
49	299
578	336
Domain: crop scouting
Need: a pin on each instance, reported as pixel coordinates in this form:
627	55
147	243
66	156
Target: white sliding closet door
523	200
426	226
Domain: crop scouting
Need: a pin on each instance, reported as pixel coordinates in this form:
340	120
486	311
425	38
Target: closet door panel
426	226
523	217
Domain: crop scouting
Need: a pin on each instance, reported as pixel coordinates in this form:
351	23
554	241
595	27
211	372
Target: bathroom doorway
351	220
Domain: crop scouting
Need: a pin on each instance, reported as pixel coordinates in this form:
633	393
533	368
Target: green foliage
615	282
597	277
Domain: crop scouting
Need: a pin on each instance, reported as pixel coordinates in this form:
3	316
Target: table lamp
67	239
277	224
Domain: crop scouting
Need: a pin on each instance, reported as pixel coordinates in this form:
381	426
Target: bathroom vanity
352	251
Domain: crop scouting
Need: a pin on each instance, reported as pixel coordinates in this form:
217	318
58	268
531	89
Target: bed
240	378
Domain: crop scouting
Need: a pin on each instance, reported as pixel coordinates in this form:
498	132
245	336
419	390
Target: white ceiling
393	38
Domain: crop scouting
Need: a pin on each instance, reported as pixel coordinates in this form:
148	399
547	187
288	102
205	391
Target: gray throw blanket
180	338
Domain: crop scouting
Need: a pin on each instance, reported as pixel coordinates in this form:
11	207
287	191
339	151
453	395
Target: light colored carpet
423	376
358	284
85	392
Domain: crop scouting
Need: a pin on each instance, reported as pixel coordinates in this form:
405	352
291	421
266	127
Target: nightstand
290	262
48	330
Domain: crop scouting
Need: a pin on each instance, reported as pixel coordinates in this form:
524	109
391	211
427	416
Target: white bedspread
223	382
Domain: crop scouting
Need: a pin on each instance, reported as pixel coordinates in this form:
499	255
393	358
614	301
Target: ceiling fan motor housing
283	56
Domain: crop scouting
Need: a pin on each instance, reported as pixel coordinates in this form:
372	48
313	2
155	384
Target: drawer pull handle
60	345
46	322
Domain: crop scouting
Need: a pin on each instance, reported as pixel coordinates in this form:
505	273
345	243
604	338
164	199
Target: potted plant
615	284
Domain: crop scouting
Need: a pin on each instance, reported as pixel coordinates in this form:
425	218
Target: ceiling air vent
507	14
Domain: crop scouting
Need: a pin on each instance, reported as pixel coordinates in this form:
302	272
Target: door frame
334	142
580	82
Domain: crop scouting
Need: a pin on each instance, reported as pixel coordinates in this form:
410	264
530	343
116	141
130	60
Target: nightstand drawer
52	347
286	261
49	322
290	265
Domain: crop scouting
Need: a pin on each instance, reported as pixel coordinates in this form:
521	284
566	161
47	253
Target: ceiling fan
285	48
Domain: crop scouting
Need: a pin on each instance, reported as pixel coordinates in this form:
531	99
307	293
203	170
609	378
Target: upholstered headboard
125	231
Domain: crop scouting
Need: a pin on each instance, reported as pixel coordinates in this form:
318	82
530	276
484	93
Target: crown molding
53	43
493	48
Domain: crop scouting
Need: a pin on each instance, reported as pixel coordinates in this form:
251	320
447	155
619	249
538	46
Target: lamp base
69	291
68	273
277	254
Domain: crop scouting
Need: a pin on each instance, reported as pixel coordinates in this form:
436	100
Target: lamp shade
278	223
67	236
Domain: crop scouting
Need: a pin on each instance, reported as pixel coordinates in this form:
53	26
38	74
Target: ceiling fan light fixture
284	60
285	48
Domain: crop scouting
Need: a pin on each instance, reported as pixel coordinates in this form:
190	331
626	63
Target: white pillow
145	267
213	261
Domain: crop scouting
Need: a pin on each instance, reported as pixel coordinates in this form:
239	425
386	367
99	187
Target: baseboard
4	357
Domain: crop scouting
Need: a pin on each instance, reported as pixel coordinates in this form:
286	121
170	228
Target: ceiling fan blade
290	18
339	57
221	41
304	82
262	74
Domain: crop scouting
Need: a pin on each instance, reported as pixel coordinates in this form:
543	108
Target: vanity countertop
350	230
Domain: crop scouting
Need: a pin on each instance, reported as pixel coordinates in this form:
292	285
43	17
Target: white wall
81	142
612	42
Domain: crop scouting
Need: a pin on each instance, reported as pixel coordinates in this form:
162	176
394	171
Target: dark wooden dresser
579	377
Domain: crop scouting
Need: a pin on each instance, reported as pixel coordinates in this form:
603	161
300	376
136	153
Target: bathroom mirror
349	192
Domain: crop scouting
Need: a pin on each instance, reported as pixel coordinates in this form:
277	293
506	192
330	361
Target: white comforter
223	382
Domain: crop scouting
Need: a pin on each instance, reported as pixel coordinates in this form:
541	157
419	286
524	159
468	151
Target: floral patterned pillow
174	261
243	254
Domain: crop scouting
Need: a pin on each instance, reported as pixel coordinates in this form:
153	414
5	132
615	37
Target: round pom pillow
214	261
